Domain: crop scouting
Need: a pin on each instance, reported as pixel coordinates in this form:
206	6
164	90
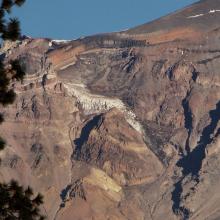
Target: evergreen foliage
16	203
9	30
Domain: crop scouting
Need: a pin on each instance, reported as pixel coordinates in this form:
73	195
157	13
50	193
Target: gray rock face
123	125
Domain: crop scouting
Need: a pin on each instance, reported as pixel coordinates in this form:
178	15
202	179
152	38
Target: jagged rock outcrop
123	125
108	142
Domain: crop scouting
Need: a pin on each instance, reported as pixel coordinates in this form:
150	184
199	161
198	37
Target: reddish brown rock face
115	147
121	126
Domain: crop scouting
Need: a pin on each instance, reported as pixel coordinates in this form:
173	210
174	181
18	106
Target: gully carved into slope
192	162
85	135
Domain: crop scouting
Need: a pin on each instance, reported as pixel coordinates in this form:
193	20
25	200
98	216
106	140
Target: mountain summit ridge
207	9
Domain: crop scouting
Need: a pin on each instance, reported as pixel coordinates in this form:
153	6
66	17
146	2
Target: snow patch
92	103
60	41
196	16
63	41
212	11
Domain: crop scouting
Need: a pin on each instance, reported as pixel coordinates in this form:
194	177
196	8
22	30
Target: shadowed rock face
121	126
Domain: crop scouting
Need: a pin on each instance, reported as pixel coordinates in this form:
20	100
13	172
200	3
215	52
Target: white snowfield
196	16
200	15
63	41
60	41
213	11
92	103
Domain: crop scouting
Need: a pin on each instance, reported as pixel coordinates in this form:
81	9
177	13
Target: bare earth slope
121	126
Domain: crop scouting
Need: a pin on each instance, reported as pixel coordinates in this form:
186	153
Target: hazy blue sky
69	19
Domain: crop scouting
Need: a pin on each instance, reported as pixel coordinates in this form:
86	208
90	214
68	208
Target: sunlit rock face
120	126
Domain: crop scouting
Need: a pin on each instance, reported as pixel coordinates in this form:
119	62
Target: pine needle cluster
16	202
9	30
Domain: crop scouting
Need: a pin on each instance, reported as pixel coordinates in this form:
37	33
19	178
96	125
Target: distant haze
69	19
